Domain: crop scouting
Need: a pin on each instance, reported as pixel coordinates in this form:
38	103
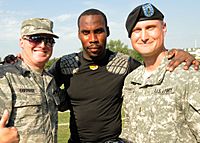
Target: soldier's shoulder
191	72
8	68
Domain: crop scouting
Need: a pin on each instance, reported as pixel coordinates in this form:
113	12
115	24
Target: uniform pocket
23	100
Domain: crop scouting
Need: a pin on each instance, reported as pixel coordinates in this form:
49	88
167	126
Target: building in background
194	51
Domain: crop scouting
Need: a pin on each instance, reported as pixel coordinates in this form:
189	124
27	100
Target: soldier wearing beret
160	106
27	91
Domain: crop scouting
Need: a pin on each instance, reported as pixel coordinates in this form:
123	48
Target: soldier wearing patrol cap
27	91
160	106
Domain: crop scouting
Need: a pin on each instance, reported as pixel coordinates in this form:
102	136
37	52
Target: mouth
39	52
93	48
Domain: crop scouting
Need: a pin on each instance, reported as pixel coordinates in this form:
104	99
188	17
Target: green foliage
50	62
118	46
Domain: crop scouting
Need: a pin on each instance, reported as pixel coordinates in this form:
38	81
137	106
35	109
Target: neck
97	58
152	62
36	68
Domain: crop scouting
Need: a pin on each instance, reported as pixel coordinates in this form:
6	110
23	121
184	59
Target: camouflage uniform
163	108
32	103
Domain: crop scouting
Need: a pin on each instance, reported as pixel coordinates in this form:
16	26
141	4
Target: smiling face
148	37
35	54
93	35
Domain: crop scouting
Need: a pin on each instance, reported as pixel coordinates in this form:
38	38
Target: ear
165	28
78	34
108	31
21	43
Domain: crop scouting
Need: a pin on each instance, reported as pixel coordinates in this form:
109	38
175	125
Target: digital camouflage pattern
37	26
165	108
32	102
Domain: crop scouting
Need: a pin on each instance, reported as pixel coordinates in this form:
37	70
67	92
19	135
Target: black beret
142	12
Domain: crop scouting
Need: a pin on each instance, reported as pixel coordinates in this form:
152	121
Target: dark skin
93	35
180	56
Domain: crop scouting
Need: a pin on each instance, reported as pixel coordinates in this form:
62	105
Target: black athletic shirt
94	93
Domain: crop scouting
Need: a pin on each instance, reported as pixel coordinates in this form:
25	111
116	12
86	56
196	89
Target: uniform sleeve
128	106
5	95
193	111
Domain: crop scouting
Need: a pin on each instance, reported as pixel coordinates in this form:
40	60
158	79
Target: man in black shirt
93	81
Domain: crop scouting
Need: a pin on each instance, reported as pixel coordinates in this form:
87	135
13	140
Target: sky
182	18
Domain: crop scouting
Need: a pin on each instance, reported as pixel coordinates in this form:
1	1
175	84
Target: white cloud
9	26
63	18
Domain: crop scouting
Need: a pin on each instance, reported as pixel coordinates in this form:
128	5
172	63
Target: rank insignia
148	10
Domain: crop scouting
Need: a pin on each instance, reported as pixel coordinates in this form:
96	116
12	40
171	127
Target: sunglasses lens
37	39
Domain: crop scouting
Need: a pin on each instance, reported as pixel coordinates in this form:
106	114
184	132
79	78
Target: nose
92	38
144	35
42	44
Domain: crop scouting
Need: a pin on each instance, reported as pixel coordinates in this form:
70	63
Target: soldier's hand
7	135
178	56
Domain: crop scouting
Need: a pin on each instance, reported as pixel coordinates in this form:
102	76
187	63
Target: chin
42	60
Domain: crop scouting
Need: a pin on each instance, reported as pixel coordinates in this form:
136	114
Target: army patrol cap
37	26
141	13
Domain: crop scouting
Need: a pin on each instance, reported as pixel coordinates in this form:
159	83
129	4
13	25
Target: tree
118	46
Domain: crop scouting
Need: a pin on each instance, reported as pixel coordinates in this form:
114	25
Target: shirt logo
93	67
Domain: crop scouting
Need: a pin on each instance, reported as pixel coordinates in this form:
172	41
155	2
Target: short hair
92	11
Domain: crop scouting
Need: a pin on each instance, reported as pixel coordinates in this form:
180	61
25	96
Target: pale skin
148	39
35	56
7	135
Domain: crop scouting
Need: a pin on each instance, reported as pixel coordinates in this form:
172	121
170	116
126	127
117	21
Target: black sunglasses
37	39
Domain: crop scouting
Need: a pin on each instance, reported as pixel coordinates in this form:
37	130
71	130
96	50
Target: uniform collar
155	78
